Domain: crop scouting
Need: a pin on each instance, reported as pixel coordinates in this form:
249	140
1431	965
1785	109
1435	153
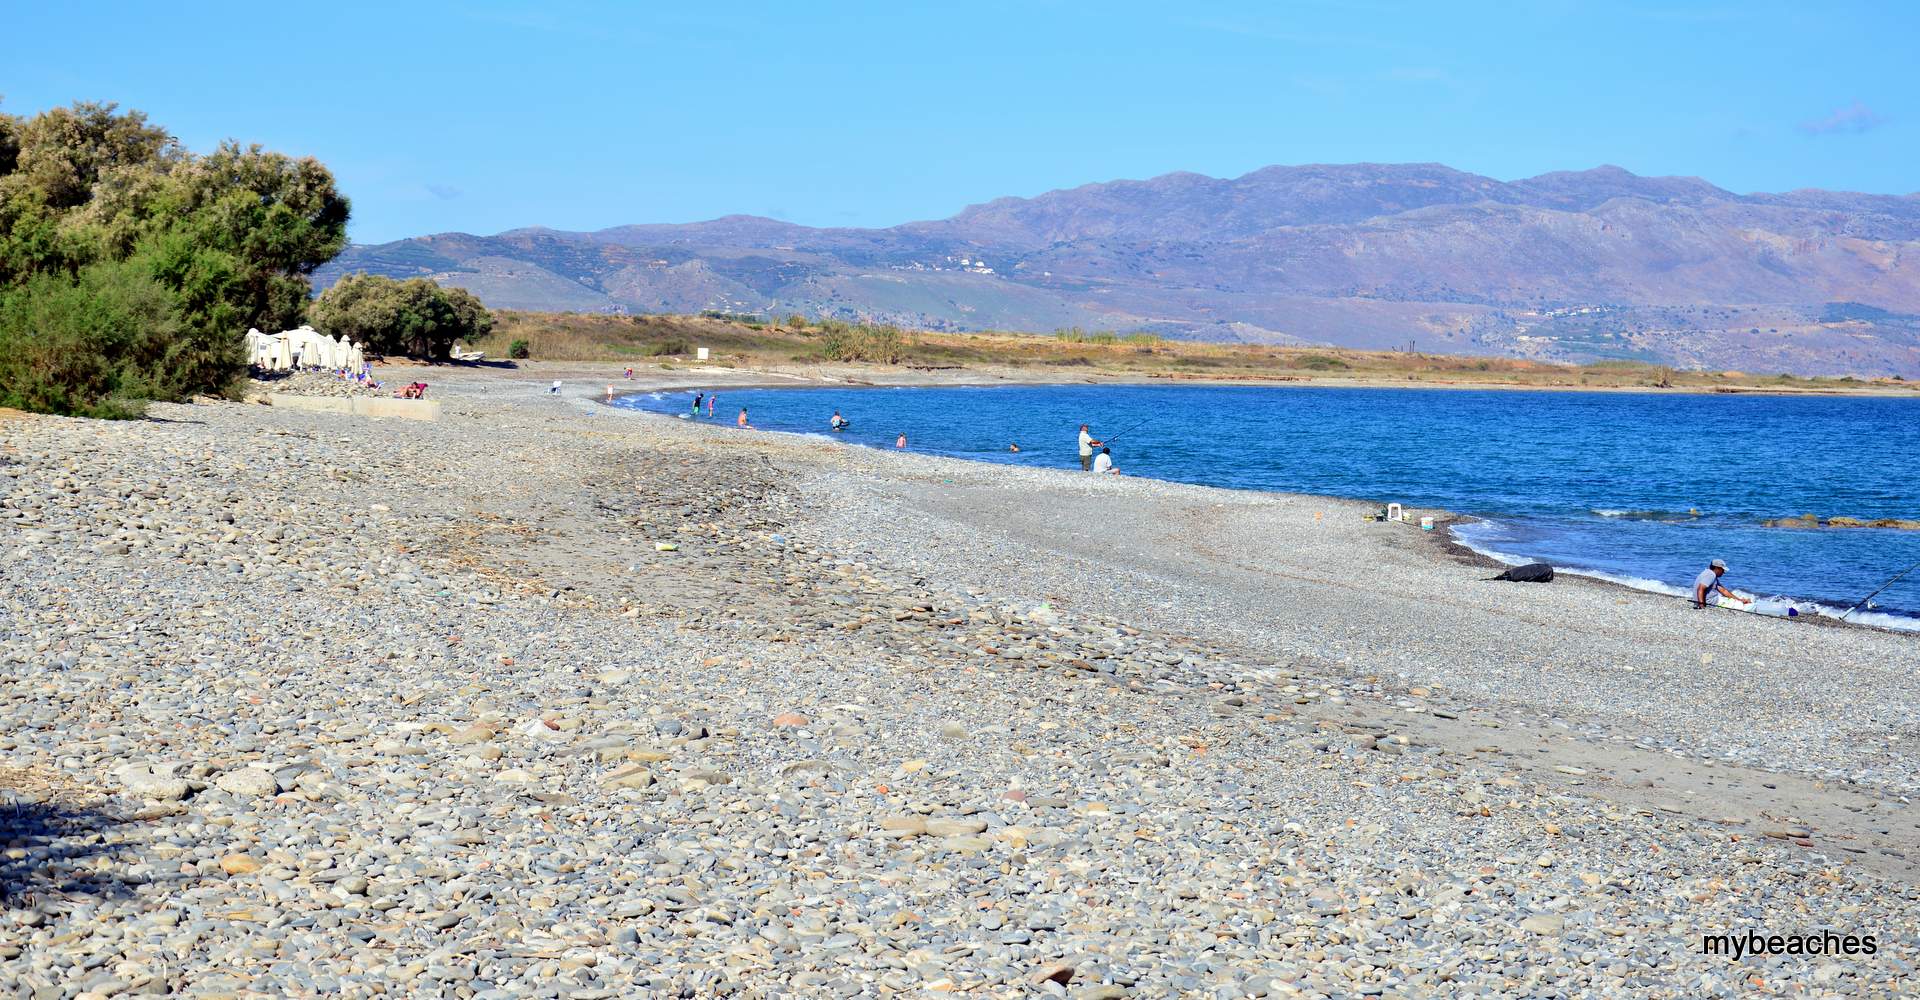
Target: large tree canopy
414	316
92	197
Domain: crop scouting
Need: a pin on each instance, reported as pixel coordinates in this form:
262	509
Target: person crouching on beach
1103	463
1707	584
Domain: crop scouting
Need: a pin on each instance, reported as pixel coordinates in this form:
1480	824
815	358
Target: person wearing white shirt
1708	583
1087	444
1103	462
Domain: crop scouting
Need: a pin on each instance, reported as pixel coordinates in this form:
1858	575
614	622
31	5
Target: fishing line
1889	583
1130	428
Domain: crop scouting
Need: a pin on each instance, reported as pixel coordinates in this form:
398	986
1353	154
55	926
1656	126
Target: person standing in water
697	397
1087	444
901	442
743	417
710	398
838	423
1707	584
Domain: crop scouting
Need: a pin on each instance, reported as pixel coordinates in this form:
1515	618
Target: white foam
1775	606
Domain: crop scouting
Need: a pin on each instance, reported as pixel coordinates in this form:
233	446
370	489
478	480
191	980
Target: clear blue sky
482	116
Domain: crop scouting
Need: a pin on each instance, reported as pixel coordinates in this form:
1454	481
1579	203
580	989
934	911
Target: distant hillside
1577	266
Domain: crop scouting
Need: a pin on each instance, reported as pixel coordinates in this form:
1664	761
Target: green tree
231	237
414	316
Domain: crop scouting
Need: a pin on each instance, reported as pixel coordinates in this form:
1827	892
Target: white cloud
1853	118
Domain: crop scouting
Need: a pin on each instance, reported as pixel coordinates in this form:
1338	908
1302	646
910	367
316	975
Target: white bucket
1426	524
1393	512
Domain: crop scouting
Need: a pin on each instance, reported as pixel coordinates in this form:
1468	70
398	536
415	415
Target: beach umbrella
306	343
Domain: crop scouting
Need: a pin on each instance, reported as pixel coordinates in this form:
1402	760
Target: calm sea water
1603	483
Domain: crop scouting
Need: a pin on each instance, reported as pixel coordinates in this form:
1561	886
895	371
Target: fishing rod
1130	428
1889	583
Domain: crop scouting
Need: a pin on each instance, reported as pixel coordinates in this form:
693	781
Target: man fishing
1707	584
1087	444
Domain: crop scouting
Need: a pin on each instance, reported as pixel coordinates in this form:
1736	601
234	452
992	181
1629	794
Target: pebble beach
547	699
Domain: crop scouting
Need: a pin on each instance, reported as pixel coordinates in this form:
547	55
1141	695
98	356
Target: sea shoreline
851	376
1444	520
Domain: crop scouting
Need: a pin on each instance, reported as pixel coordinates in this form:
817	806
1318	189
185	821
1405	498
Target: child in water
743	417
902	442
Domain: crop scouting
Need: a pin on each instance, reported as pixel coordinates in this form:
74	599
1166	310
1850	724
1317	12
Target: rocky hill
1567	266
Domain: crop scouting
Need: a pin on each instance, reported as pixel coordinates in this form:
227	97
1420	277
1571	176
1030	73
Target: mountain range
1575	266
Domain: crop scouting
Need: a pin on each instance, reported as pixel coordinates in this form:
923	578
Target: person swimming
1013	447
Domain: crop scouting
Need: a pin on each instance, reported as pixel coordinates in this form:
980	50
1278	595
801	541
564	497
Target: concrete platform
360	406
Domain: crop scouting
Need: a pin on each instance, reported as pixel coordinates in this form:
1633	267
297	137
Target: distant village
967	264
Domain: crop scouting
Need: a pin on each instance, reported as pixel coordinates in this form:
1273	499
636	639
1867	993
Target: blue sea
1640	488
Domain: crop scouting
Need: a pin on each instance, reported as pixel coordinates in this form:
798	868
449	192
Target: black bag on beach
1530	573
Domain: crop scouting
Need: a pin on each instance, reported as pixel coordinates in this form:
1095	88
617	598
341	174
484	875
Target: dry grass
670	339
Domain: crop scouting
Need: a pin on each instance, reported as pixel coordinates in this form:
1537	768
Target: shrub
884	344
1322	362
519	350
97	345
672	347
